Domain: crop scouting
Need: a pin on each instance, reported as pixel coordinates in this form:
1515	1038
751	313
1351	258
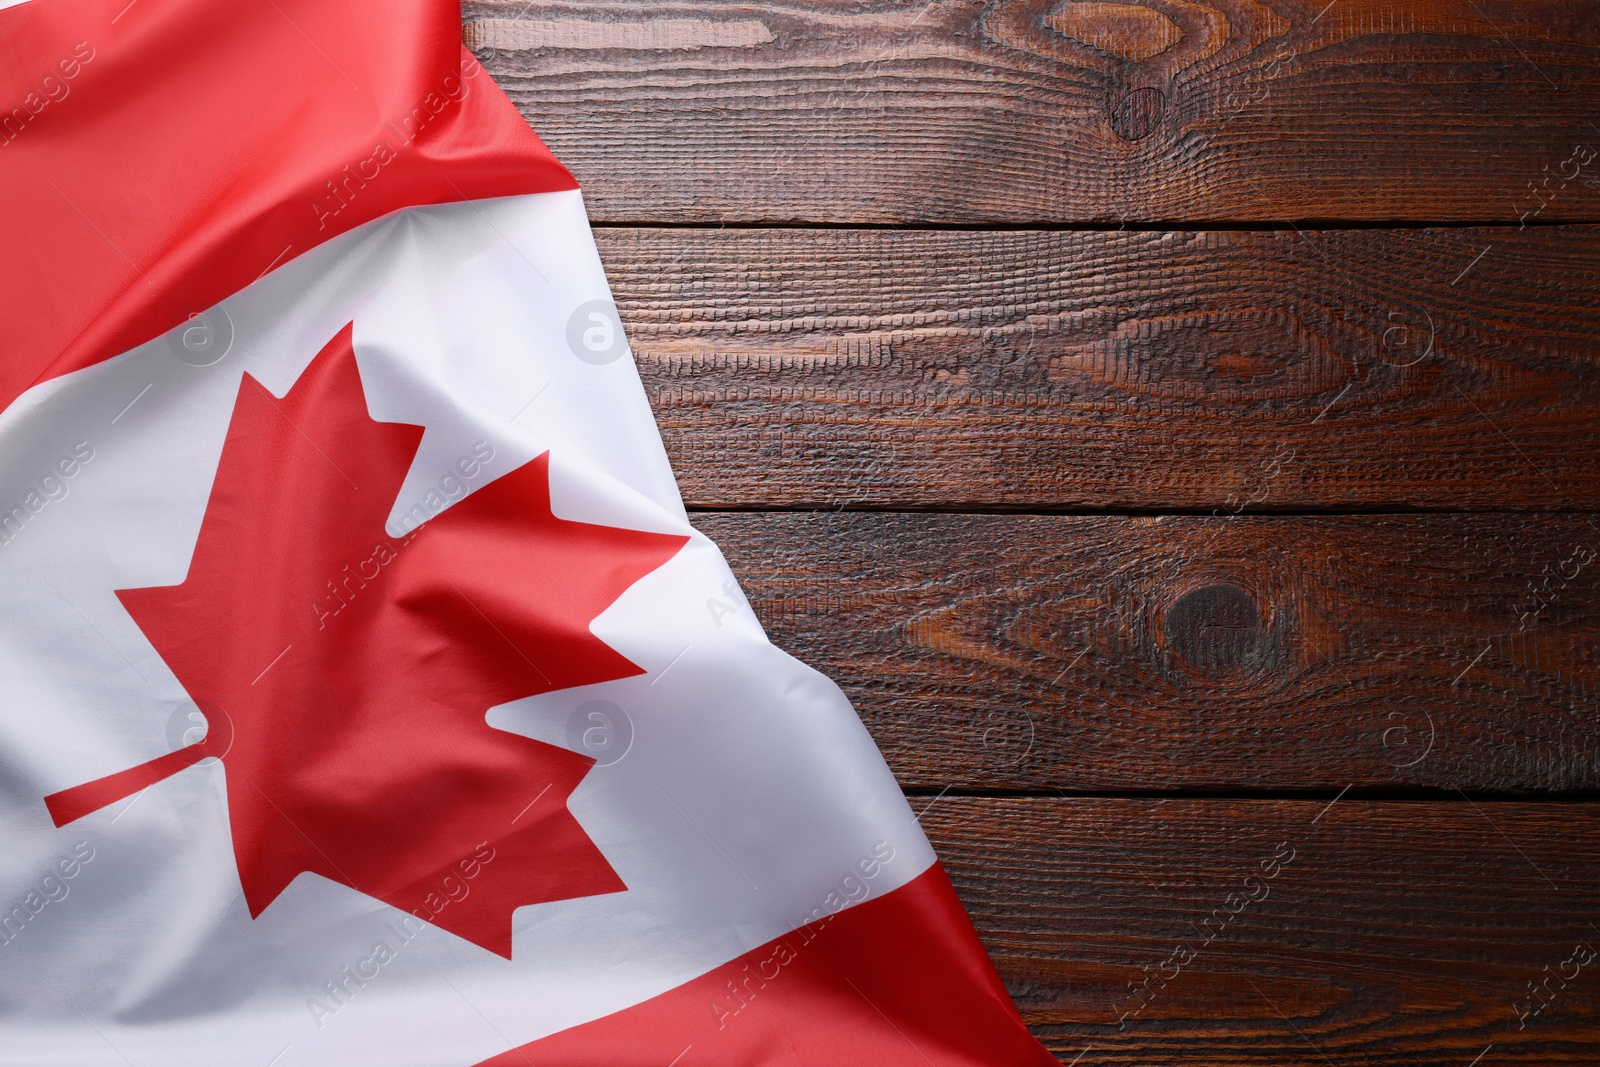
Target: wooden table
1222	587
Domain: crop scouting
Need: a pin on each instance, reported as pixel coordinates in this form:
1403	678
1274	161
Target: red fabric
158	156
900	981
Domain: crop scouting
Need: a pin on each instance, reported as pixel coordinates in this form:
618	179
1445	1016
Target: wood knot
1128	31
1215	627
1137	113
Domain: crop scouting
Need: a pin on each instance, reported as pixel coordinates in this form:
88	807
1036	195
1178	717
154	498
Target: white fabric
749	793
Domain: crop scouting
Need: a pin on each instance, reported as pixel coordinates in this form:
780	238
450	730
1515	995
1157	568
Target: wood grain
1173	367
1390	934
1050	111
1153	370
1088	653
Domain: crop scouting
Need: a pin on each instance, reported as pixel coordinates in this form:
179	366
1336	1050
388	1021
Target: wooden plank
1050	111
1232	933
1090	653
1210	370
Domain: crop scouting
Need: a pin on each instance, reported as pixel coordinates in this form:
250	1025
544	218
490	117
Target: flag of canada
370	696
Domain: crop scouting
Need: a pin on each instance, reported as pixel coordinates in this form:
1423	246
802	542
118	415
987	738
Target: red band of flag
145	174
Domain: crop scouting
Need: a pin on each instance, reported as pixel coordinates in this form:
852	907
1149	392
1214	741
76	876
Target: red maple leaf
345	674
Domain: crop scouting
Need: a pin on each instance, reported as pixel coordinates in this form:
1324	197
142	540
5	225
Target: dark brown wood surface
1151	932
1063	377
1179	652
1274	370
1030	111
